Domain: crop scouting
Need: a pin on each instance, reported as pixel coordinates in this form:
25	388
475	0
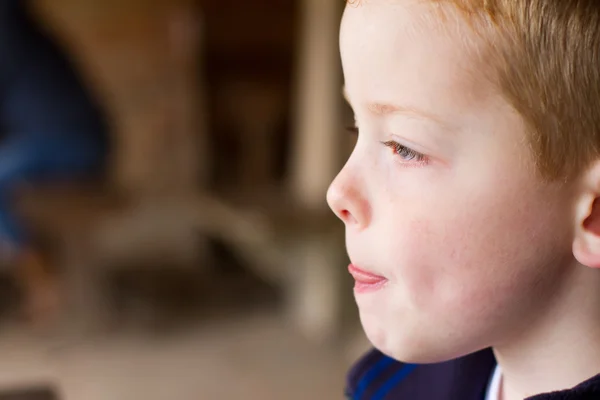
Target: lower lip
365	281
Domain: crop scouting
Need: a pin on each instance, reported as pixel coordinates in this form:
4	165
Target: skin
442	198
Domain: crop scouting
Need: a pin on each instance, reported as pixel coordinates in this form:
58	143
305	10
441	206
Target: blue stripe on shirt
393	381
371	375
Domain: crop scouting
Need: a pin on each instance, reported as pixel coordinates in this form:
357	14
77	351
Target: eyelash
405	153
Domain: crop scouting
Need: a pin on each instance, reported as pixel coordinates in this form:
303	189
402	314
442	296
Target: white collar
493	391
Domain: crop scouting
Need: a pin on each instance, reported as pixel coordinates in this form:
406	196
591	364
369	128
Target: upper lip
361	275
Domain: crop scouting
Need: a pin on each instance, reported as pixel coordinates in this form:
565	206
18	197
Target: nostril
347	216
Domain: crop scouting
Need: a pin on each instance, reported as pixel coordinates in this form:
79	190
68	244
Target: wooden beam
318	103
316	301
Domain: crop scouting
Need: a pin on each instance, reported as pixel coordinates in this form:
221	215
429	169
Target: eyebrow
384	109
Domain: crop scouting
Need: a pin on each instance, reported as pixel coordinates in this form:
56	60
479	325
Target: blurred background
163	225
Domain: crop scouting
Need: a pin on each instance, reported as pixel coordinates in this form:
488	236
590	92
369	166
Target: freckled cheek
440	260
422	259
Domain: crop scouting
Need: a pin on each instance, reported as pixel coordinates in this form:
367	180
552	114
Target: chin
412	345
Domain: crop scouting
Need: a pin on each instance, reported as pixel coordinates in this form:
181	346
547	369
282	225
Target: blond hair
547	64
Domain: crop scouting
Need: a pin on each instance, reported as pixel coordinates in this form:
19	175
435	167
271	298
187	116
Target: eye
405	153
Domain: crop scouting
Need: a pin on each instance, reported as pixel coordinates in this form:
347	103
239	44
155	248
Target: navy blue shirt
378	377
40	90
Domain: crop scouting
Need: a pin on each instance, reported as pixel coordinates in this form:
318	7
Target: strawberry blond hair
546	56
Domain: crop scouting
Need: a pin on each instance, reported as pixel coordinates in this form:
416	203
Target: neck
559	347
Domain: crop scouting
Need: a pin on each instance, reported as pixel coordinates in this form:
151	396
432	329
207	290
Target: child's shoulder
376	377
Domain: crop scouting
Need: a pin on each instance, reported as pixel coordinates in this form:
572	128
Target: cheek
433	257
472	255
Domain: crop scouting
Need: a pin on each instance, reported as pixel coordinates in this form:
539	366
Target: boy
471	200
51	129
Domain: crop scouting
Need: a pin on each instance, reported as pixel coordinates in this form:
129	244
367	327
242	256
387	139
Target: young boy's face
440	195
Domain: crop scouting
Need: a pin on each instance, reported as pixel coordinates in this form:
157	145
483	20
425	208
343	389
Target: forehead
409	49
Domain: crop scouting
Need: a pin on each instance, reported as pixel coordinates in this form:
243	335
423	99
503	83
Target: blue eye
405	153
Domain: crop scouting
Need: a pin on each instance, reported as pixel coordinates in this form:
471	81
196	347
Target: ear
586	244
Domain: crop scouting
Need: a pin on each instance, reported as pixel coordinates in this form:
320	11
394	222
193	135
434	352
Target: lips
366	281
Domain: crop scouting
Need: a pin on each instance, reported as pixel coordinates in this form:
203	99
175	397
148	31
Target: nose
347	201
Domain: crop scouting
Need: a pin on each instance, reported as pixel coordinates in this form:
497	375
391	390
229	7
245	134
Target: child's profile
470	199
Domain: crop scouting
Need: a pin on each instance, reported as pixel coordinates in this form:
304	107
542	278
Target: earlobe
586	244
587	253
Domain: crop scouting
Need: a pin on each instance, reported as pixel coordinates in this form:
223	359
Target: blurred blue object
51	127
